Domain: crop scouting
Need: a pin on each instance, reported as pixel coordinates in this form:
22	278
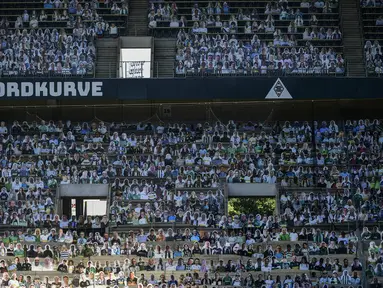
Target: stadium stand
252	38
167	222
372	22
56	37
168	212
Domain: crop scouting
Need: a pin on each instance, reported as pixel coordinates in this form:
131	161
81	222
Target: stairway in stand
352	37
106	66
138	18
164	57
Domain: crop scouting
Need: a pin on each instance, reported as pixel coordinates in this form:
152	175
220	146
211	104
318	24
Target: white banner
135	63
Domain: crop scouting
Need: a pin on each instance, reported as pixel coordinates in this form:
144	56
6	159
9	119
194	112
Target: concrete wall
136	42
84	190
251	190
82	110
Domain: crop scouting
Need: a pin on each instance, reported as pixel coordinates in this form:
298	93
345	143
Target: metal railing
150	69
88	73
262	72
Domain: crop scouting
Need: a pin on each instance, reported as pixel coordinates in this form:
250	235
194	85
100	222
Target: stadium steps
138	18
164	55
106	58
352	37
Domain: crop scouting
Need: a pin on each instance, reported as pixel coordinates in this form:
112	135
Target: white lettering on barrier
41	89
55	89
83	91
13	89
51	89
26	89
97	89
2	89
69	88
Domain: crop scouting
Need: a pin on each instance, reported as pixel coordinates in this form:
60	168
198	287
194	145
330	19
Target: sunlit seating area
56	38
251	38
168	222
373	35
